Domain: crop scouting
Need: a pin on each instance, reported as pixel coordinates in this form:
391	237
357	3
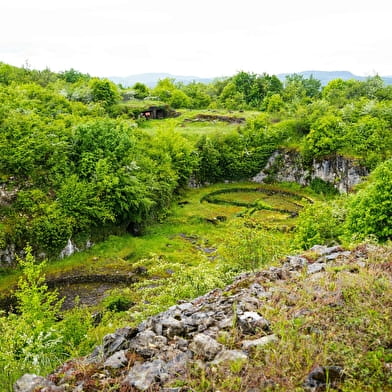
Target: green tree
104	91
141	90
370	210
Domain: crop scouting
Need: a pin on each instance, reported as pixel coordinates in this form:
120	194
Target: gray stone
172	327
316	267
117	341
295	262
247	344
257	290
180	343
177	364
147	343
251	322
117	360
335	255
319	377
229	356
322	250
143	375
204	346
32	383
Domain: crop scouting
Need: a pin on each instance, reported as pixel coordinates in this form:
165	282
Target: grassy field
190	124
192	243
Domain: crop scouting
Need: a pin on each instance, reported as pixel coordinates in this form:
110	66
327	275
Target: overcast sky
199	38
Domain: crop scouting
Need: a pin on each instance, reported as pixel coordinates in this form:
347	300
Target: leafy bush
323	187
320	223
370	210
118	301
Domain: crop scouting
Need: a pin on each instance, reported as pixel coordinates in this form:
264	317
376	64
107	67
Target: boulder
205	347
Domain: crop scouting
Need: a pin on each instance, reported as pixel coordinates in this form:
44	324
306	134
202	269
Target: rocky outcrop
283	165
7	196
9	253
199	332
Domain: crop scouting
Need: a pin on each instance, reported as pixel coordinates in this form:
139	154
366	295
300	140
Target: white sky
199	38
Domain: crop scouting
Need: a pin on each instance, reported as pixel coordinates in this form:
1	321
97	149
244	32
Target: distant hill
151	79
326	76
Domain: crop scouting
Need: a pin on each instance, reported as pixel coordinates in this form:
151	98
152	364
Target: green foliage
168	92
104	91
370	210
73	76
141	90
251	249
234	156
299	89
31	340
118	301
324	137
34	341
323	187
247	90
320	223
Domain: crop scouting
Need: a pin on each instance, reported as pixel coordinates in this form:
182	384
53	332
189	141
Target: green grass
121	254
194	129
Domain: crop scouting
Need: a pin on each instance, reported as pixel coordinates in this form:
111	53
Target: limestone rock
247	344
143	375
205	346
32	383
229	356
117	341
316	267
117	360
251	322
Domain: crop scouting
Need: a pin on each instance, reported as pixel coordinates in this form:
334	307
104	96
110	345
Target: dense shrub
370	210
320	223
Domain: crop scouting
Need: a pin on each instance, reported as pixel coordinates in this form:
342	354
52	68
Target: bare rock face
343	173
192	333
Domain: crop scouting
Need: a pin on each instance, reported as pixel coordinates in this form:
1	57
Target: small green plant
118	301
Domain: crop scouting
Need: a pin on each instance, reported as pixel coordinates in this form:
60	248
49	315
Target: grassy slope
180	243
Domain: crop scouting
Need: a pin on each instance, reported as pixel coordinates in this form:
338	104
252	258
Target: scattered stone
143	375
118	341
247	344
295	262
204	346
188	332
229	356
147	343
251	322
321	376
33	383
316	267
172	327
335	255
322	250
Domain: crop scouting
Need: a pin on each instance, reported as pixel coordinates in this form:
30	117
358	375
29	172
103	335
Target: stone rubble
166	344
